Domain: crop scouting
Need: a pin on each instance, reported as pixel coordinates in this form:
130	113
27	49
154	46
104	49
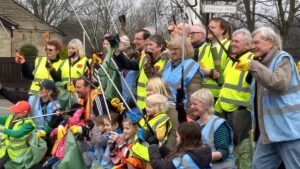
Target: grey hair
205	97
202	27
78	44
246	34
269	33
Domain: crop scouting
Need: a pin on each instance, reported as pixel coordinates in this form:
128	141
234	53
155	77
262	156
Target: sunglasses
50	50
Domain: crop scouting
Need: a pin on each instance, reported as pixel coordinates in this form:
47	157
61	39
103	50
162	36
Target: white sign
219	9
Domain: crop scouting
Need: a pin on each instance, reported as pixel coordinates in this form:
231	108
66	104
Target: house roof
30	13
8	23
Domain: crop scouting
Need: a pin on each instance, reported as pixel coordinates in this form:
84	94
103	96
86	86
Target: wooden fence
11	75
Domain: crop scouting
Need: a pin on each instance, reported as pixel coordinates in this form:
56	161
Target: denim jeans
269	156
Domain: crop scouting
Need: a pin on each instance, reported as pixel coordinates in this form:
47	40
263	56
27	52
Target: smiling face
139	41
72	49
175	52
198	108
261	46
129	130
239	43
45	93
52	52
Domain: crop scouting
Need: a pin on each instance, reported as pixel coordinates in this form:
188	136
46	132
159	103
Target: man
90	99
221	30
234	97
39	71
15	134
204	57
182	29
276	98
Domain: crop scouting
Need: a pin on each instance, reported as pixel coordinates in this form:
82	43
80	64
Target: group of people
206	98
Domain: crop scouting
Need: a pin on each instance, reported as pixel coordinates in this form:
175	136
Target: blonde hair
157	85
178	41
78	45
160	102
205	97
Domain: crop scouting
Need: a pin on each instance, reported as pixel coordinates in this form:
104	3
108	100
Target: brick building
23	27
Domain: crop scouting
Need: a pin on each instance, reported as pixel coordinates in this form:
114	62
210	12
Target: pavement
4	104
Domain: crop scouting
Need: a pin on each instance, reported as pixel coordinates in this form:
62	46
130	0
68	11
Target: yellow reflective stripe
141	84
38	65
202	52
35	92
210	86
17	140
140	97
235	102
159	121
14	148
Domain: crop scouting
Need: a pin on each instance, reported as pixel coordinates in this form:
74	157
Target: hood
202	156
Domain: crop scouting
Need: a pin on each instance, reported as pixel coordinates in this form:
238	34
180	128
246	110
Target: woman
78	62
39	70
172	74
155	85
189	152
215	131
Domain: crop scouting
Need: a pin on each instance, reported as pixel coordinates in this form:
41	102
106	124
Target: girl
189	152
156	121
155	85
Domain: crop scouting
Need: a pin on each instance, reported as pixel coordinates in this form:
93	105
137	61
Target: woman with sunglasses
39	71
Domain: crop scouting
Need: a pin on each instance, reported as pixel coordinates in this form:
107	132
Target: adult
150	64
276	97
74	66
234	97
39	71
91	99
172	73
215	130
221	30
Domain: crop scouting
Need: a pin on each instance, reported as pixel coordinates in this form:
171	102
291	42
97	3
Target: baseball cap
20	107
48	84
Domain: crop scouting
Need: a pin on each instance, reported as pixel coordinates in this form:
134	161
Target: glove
243	65
40	134
1	128
118	105
150	138
61	132
71	88
76	129
114	41
19	58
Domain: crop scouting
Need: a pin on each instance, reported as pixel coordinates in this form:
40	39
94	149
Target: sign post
209	8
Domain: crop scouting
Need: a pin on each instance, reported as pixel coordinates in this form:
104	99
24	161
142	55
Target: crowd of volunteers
200	98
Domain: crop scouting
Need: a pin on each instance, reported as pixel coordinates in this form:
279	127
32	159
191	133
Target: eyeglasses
195	32
50	50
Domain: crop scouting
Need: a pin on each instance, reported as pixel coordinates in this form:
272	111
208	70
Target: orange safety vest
89	104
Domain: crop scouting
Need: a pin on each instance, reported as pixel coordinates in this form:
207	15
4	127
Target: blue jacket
281	110
172	76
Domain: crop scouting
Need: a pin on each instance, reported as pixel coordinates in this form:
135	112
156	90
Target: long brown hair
190	138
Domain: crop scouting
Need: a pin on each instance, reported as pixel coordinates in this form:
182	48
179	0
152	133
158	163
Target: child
93	150
189	152
121	146
156	121
109	125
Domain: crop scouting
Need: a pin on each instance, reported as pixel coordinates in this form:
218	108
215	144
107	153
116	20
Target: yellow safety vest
235	91
205	60
141	149
15	147
41	73
143	79
79	67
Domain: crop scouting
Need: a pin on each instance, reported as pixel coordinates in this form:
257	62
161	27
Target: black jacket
202	156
